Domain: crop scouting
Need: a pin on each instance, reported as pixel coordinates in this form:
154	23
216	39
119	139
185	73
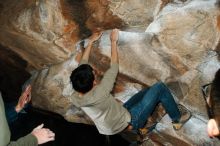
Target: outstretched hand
24	99
95	36
114	35
43	135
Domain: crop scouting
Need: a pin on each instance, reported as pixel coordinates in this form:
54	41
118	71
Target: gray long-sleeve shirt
109	116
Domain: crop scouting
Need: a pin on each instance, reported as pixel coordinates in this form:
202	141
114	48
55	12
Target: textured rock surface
176	41
44	32
32	29
138	14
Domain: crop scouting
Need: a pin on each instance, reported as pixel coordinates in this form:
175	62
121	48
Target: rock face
173	41
33	30
138	14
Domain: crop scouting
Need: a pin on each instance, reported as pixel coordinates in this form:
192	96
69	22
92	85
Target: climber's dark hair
82	78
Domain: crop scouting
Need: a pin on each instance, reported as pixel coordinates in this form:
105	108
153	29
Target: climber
213	105
110	116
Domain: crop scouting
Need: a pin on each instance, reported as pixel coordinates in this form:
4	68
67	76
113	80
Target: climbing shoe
185	116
